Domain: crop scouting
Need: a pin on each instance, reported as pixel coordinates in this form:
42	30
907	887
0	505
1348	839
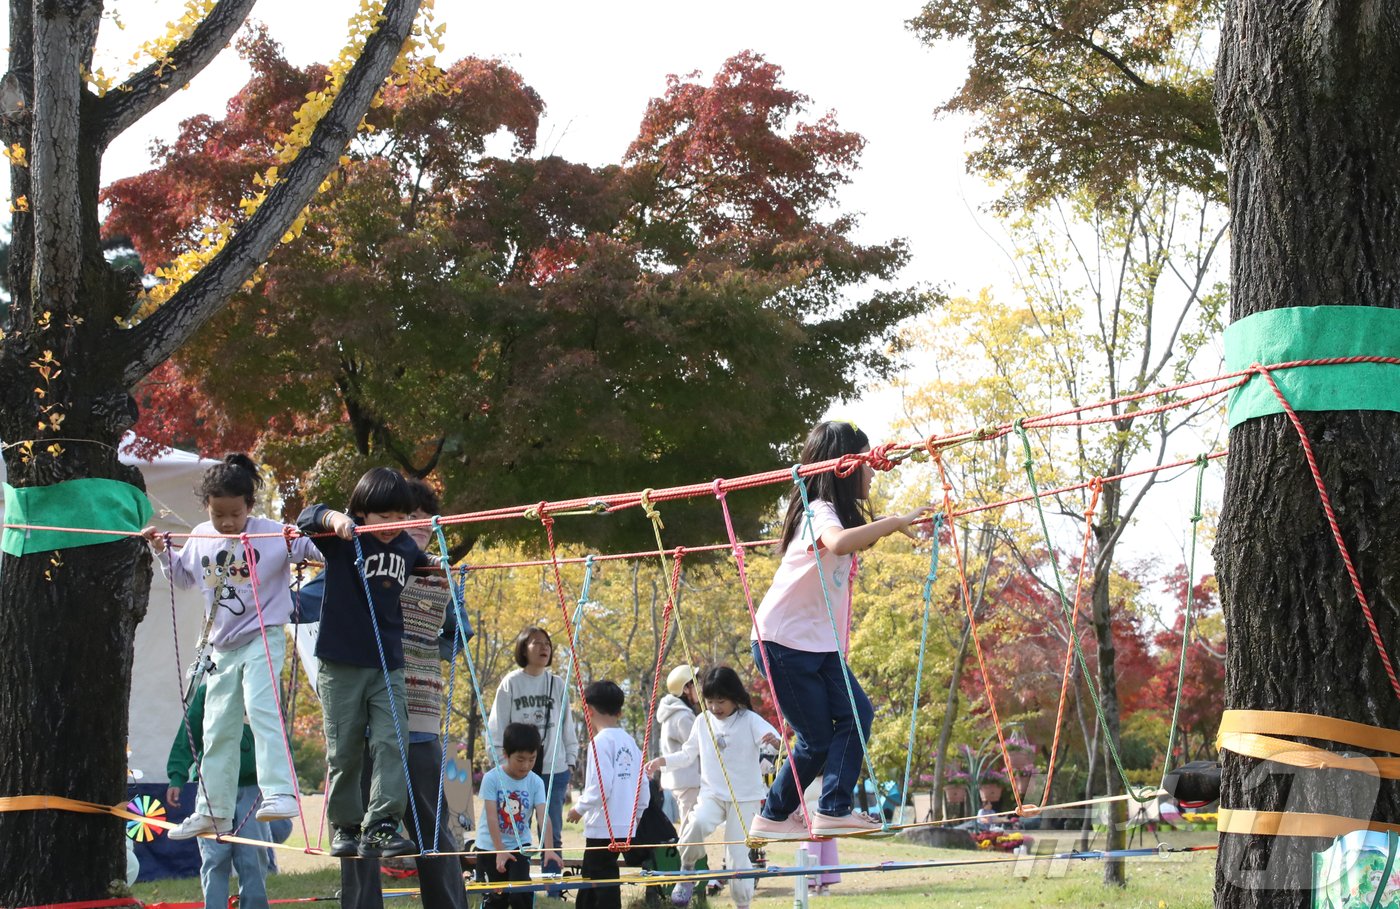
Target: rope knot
719	488
537	513
649	509
435	524
847	463
879	457
617	847
289	533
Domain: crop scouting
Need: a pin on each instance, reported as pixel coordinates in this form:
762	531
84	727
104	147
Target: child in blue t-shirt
510	794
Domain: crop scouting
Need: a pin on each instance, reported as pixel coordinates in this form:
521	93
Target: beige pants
709	814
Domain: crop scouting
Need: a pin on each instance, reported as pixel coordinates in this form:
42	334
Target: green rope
919	671
1138	795
1186	626
862	734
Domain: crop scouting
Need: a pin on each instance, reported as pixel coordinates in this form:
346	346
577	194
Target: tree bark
68	618
1310	115
1113	870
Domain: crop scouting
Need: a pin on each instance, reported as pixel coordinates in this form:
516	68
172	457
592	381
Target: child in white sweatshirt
614	796
725	739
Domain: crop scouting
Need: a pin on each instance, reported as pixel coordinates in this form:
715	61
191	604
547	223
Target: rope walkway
884	457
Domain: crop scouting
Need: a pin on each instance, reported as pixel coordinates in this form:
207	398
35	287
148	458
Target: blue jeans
812	695
250	862
557	785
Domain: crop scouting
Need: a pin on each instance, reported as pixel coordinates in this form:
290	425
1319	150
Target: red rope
972	624
548	523
1333	523
1097	489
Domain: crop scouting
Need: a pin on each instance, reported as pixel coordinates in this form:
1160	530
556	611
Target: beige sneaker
200	824
857	823
790	829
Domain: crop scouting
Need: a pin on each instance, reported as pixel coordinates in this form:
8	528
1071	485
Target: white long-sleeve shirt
615	760
541	701
738	736
676	719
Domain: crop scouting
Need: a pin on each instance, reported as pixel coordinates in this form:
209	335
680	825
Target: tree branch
156	338
147	89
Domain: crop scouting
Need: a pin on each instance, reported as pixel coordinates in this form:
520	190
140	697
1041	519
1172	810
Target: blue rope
388	686
863	734
459	609
583	599
919	672
447	707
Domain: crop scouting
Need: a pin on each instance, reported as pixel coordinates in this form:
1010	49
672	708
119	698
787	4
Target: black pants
599	864
440	877
517	869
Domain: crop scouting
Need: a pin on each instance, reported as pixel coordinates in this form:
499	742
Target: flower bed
1001	842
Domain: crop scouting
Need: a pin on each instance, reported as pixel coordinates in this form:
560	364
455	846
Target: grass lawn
1153	883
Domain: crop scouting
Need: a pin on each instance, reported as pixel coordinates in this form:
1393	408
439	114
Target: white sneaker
857	823
278	807
199	824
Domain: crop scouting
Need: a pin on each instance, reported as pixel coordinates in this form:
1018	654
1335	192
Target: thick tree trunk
1310	115
68	619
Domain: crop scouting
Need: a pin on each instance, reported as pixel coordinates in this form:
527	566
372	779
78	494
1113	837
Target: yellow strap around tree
1307	725
1295	823
1294	754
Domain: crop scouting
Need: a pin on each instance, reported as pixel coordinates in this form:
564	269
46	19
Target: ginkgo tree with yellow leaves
79	335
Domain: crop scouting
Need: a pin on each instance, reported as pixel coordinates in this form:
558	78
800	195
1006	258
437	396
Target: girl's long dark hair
827	441
724	683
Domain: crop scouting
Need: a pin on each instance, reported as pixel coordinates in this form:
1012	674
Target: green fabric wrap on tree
90	504
1315	333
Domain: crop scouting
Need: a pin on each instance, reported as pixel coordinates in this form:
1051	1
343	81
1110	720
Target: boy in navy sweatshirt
354	688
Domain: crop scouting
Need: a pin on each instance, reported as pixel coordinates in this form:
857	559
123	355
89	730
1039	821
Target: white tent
172	484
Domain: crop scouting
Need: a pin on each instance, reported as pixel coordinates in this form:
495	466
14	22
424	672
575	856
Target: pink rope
250	556
738	550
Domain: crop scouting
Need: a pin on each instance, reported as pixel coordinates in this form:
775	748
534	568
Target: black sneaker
383	840
346	842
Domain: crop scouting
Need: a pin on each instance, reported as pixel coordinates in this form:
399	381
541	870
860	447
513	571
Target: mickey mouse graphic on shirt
227	569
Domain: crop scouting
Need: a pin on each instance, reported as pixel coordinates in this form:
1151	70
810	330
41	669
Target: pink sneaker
790	829
857	823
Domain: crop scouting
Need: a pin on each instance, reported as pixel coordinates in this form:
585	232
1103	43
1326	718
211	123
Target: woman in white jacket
676	714
725	739
534	695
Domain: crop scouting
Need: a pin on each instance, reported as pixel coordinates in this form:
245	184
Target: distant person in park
676	714
244	639
511	796
357	691
533	694
217	860
801	633
725	740
610	805
429	629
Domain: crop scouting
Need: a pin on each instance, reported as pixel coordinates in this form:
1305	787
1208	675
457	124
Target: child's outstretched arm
316	519
844	541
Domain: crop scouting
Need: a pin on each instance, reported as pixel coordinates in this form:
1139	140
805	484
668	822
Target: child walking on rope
357	692
795	642
725	739
247	643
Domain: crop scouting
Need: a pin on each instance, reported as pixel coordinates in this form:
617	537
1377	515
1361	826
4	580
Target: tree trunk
68	618
1310	115
1113	870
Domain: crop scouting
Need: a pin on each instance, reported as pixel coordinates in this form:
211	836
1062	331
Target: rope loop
848	463
617	846
649	509
289	533
880	457
719	488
